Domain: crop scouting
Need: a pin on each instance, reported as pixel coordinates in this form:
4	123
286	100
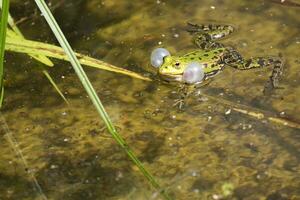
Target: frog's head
175	68
172	68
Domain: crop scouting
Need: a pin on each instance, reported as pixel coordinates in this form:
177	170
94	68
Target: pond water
207	150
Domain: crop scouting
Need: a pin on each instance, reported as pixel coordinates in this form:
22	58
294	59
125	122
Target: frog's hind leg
212	31
203	42
206	35
260	62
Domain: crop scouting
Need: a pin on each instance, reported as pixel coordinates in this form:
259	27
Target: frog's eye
177	65
157	56
193	73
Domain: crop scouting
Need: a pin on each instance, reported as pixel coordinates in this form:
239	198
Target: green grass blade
16	44
40	58
45	72
3	26
1	96
92	94
13	25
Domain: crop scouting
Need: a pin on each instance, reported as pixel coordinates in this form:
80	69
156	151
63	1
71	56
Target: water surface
194	153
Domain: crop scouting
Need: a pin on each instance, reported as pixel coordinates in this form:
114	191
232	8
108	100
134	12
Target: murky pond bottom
205	151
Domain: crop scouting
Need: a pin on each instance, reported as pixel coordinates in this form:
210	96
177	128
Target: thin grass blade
45	72
41	58
3	26
16	44
92	94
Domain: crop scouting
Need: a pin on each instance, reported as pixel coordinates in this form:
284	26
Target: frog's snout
162	69
157	57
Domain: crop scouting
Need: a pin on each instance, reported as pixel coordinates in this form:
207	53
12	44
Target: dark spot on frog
202	45
277	62
199	58
261	62
206	55
248	63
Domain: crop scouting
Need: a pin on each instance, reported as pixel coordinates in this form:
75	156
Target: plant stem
4	17
92	94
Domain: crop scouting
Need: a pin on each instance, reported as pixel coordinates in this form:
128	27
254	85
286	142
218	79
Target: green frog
210	59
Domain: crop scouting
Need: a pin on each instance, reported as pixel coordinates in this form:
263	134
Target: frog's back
209	58
206	55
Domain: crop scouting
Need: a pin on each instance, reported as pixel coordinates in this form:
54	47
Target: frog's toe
268	89
180	103
192	25
270	86
194	28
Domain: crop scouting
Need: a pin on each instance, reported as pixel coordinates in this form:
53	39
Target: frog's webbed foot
183	93
273	82
270	86
180	103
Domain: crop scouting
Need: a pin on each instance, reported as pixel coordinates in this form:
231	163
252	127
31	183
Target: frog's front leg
184	91
235	60
206	35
